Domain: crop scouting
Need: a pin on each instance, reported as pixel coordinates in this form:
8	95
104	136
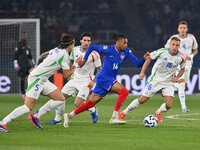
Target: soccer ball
150	121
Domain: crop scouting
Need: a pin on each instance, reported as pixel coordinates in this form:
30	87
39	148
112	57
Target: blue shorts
103	86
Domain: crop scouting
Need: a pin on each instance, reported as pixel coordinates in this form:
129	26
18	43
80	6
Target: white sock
181	94
51	104
162	108
72	114
91	109
115	114
59	112
17	112
134	104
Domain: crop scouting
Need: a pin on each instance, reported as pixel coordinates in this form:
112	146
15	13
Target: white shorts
79	88
37	86
154	86
186	74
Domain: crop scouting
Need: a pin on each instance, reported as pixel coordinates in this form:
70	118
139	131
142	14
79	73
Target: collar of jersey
170	53
116	49
180	36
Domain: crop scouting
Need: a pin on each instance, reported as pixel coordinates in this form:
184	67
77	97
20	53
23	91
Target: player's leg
22	84
133	105
59	112
68	90
81	98
181	94
123	93
94	99
186	78
56	100
17	112
168	92
150	89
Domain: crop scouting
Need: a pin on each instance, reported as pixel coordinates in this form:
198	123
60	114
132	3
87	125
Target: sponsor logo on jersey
165	58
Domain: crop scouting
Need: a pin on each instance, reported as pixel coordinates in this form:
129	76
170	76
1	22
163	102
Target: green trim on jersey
152	77
159	55
61	59
41	74
32	85
54	63
72	76
162	49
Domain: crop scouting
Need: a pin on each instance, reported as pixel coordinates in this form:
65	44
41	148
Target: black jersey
23	56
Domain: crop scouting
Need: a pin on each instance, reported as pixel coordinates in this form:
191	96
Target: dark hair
85	34
117	37
175	38
66	40
183	22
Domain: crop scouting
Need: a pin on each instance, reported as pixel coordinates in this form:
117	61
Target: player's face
71	46
182	29
174	45
24	36
122	43
85	42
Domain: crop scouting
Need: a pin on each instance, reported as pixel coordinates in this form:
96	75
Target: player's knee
168	105
124	92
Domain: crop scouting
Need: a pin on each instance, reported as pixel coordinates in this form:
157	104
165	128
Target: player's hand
18	68
141	76
174	79
147	55
188	58
91	84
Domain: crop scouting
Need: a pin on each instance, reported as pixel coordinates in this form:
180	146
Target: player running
189	48
168	59
38	82
106	78
81	81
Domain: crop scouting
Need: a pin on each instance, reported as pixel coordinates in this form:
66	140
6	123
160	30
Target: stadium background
148	24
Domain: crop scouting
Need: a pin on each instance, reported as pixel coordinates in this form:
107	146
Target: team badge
105	46
29	46
122	56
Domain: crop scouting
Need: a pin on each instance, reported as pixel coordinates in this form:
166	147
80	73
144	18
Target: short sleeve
156	54
97	61
64	61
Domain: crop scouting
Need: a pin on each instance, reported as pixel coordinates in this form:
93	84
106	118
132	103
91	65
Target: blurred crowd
58	16
163	16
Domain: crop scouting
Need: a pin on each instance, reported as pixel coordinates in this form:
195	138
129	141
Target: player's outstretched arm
174	79
42	57
144	68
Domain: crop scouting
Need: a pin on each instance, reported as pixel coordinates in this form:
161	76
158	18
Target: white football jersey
57	59
166	65
187	44
85	73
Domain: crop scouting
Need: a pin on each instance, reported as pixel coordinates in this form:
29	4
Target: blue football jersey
113	59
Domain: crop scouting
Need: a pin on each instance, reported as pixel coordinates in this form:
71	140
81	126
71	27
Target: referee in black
23	61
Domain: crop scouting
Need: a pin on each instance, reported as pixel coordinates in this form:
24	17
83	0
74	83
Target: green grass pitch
172	134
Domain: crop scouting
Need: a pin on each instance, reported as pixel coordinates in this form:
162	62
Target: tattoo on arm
41	58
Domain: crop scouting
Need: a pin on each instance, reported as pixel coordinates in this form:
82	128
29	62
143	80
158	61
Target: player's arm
42	57
144	68
92	83
138	63
189	57
98	48
174	79
16	55
67	73
32	62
